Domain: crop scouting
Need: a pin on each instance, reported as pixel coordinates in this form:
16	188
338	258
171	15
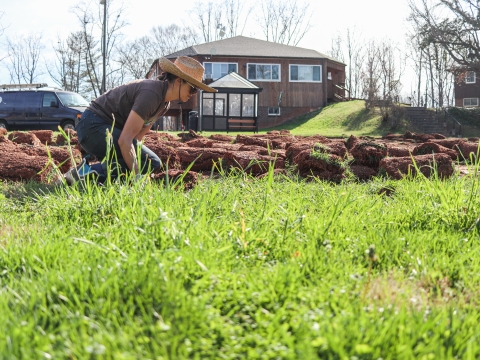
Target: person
128	112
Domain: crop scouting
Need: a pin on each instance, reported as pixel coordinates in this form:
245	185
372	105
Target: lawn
241	268
344	119
339	120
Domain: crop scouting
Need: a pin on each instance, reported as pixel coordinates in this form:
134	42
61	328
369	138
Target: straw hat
187	69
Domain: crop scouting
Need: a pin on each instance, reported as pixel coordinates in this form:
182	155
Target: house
294	80
467	89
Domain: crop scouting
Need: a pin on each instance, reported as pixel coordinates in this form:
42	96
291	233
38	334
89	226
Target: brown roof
243	46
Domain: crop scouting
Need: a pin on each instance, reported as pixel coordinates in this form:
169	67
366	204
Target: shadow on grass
20	190
357	120
298	121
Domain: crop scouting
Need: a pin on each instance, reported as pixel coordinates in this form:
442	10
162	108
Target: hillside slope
343	119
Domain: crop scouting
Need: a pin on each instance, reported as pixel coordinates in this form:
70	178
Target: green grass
241	269
343	119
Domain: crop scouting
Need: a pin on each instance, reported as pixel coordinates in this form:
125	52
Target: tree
454	25
370	75
235	17
68	70
430	58
284	21
336	49
91	20
219	18
24	55
208	18
353	47
133	57
168	39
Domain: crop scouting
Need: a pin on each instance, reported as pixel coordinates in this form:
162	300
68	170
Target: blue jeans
92	136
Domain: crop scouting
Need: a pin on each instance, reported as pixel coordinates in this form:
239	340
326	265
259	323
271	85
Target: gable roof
233	80
243	46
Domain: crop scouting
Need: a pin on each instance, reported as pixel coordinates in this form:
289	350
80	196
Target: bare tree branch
168	39
133	57
285	21
24	55
452	24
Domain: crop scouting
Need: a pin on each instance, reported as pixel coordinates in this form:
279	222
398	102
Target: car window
32	99
48	98
72	99
7	99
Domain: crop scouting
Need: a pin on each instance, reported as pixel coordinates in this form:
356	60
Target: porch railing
340	96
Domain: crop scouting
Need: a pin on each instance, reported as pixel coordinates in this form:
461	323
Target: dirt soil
25	156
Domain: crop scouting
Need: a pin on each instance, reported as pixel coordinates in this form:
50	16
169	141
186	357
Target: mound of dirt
434	148
45	136
423	137
19	137
200	142
203	159
313	156
390	136
72	136
253	162
467	150
190	135
397	168
250	140
362	172
326	166
398	151
167	154
20	166
178	178
226	146
221	137
352	141
60	155
448	143
159	136
295	149
7	145
368	153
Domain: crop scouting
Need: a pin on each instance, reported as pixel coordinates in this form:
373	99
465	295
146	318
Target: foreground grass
241	269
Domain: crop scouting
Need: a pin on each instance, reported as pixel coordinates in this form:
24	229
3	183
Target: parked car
40	109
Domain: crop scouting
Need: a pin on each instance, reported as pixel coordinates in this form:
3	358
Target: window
48	98
215	71
7	99
305	73
72	99
273	111
248	105
32	99
470	77
469	102
263	72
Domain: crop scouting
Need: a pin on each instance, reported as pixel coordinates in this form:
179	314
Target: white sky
374	18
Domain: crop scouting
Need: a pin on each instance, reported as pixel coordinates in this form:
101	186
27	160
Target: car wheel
3	125
68	125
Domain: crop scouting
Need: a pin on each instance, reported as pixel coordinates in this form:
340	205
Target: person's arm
133	127
142	132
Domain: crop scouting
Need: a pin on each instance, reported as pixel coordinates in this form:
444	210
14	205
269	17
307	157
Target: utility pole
104	43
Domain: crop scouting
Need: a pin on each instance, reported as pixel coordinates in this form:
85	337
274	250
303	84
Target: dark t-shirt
145	97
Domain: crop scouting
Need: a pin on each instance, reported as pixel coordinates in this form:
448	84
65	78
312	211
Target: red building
467	90
303	79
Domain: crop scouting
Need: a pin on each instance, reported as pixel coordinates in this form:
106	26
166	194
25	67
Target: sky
380	19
